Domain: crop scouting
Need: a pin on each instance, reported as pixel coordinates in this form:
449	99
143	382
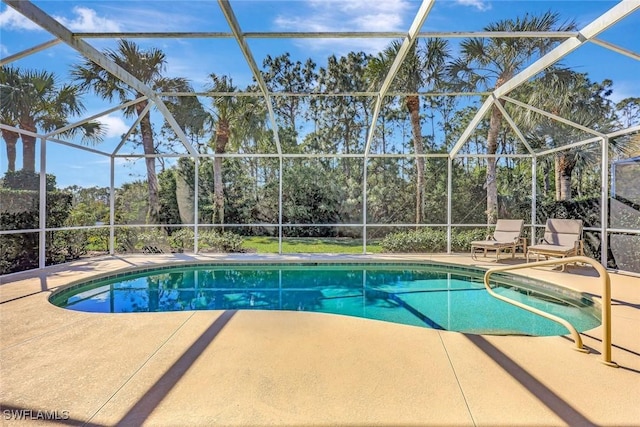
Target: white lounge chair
507	235
562	238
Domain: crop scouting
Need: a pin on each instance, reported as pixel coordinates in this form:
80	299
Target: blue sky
196	58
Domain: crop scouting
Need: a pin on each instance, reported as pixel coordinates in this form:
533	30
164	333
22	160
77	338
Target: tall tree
235	119
423	68
283	75
34	101
148	67
9	81
629	111
490	62
343	118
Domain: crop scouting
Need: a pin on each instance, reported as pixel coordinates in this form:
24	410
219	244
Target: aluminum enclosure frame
572	41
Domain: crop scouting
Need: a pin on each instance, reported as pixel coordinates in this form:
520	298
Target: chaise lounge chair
506	236
562	238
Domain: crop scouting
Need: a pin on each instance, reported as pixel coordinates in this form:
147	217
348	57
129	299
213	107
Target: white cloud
171	17
87	20
12	20
84	20
115	126
353	15
3	50
481	5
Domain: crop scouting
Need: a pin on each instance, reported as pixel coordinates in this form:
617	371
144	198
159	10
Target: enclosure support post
364	205
534	197
42	214
196	213
449	193
112	204
604	203
280	207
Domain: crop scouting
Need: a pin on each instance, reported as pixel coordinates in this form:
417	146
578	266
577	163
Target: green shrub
221	242
98	240
461	240
65	245
19	211
181	239
429	240
125	239
25	180
152	237
425	240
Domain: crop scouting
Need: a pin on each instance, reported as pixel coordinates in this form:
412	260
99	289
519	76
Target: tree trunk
222	138
10	139
185	199
492	148
557	177
413	105
565	184
566	166
346	165
152	180
547	184
28	147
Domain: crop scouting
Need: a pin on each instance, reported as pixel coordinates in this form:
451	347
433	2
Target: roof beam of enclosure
473	124
598	25
248	56
626	131
610	135
143	113
606	20
323	94
409	40
325	34
616	48
513	125
570	146
95	116
58	141
553	116
27	52
35	14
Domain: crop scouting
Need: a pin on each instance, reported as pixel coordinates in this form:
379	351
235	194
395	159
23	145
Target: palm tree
497	60
33	100
9	82
147	66
424	66
575	97
235	119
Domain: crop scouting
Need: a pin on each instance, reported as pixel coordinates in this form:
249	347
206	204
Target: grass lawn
290	245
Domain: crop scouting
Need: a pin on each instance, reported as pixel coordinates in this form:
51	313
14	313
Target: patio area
299	368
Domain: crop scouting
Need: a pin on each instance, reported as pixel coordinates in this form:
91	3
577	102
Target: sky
195	59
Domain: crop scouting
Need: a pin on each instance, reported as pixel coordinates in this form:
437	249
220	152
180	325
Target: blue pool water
435	296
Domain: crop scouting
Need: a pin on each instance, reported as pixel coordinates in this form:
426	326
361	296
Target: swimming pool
437	296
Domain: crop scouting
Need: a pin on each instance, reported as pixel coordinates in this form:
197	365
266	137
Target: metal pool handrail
606	301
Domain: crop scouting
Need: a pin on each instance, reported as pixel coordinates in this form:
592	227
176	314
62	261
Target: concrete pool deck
253	368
